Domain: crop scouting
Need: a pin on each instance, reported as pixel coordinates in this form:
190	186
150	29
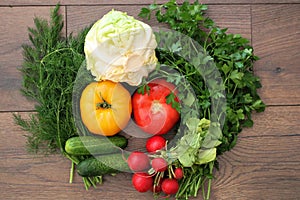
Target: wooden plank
278	139
270	120
236	18
276	40
263	165
135	2
276	180
13	28
265	162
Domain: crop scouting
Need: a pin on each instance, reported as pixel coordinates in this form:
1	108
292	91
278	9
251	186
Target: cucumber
103	164
92	145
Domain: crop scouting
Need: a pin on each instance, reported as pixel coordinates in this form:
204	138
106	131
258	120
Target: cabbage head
120	48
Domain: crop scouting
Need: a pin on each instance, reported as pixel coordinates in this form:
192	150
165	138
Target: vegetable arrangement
191	90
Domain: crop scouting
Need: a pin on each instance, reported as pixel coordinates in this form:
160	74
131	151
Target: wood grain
276	40
13	27
265	162
135	2
236	18
265	181
263	165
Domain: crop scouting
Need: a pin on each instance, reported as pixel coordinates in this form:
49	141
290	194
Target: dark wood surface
265	164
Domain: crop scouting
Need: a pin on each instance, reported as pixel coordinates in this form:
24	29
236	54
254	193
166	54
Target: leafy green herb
231	53
170	99
193	148
143	89
233	57
49	70
50	65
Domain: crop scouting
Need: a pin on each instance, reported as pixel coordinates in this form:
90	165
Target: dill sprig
49	70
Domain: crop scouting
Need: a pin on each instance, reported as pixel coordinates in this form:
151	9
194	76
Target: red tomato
151	111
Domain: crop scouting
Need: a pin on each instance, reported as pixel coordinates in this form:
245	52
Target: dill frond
50	65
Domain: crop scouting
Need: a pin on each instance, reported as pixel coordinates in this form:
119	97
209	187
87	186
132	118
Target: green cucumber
103	164
92	145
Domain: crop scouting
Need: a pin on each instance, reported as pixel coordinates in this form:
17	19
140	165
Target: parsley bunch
232	55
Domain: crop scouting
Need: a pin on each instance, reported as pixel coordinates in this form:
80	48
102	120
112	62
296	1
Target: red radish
157	184
138	161
170	186
159	164
178	173
156	188
155	143
142	182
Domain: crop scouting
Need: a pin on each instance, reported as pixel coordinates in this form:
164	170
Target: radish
157	183
159	164
156	188
142	182
138	161
178	173
155	143
170	186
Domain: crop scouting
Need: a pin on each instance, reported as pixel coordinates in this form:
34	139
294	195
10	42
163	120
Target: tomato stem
103	104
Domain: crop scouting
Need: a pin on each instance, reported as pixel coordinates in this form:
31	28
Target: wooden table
265	164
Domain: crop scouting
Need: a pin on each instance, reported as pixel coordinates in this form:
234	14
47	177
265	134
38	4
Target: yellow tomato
105	107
